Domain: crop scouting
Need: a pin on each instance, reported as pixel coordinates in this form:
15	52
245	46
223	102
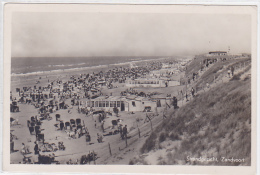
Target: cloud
42	34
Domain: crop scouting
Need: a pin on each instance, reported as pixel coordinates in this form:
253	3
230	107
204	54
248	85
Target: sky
41	34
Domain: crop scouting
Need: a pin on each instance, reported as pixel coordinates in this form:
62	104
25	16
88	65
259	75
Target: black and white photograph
137	87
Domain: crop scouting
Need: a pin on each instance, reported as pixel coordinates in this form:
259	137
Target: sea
30	65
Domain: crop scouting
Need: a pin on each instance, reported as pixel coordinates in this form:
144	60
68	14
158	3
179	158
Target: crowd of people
55	95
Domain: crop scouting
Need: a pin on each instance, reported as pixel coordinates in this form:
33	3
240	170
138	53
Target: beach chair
88	138
32	119
79	127
78	121
72	122
14	107
67	125
114	122
61	146
51	95
40	138
57	117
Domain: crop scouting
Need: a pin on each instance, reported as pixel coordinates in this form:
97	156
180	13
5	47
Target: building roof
148	79
217	52
120	98
108	98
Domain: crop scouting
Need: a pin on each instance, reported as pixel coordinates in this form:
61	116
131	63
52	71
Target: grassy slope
215	123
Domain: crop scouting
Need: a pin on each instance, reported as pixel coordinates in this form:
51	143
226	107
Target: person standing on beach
229	73
125	132
102	125
61	125
192	91
120	131
232	70
36	148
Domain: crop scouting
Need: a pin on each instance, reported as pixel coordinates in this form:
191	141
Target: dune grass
215	123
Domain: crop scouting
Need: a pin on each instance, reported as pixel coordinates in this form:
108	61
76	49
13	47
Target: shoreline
84	68
24	80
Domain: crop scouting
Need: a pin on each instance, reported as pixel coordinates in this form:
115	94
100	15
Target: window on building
96	103
102	104
113	104
133	103
92	104
118	104
107	103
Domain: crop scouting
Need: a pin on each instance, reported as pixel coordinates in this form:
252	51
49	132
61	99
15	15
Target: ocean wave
58	65
79	68
58	70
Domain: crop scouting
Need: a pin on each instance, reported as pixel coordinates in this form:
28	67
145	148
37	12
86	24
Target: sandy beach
75	148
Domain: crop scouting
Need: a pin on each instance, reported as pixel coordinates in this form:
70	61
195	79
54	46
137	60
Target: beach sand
75	148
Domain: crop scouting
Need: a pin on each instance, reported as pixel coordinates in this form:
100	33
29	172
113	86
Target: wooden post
94	157
126	141
89	160
151	125
109	149
182	98
139	133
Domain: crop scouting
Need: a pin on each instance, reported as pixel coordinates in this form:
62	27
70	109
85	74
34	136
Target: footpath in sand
157	155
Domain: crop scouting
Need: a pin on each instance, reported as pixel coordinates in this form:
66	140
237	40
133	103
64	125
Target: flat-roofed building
151	82
217	53
140	104
145	82
122	103
107	103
